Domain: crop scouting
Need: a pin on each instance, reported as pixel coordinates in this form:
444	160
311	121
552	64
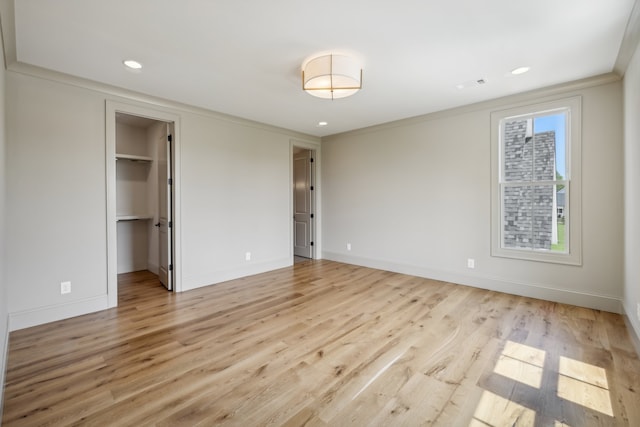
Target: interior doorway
143	195
303	203
144	198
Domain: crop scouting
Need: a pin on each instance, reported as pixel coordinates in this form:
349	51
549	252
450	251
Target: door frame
316	249
113	107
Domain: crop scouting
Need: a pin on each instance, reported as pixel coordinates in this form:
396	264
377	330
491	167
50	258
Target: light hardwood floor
325	344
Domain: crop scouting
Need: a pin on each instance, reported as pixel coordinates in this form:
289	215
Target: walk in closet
138	142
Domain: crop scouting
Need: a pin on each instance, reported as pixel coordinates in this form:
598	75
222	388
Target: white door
165	201
302	203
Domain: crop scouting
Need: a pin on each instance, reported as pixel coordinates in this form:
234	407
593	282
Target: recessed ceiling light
520	70
132	65
321	124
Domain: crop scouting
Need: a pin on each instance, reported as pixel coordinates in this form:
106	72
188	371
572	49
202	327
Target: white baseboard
234	273
633	333
130	267
152	267
27	318
38	316
532	290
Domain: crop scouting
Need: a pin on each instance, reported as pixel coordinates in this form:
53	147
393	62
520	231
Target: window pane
518	218
560	244
530	218
550	141
543	216
518	150
544	147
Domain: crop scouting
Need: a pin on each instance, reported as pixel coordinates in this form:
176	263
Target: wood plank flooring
324	344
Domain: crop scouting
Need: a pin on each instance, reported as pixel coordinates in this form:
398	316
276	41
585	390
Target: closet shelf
133	217
133	157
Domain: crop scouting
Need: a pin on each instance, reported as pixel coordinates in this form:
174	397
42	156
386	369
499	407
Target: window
536	182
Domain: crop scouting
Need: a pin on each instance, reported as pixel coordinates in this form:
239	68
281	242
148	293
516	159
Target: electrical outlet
65	287
471	263
348	246
247	256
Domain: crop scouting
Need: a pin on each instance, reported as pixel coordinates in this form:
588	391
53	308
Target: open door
303	203
165	207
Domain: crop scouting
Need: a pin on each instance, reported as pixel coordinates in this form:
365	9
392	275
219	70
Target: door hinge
170	181
170	267
311	188
311	215
170	224
311	243
311	159
170	138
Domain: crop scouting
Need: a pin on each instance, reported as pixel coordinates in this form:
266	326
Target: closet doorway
143	196
141	200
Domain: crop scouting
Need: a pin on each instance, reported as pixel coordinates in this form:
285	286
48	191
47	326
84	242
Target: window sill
538	256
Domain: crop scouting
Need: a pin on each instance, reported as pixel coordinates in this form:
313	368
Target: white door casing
112	108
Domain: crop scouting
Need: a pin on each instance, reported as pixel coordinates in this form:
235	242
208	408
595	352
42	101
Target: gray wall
632	191
56	205
235	195
4	321
414	196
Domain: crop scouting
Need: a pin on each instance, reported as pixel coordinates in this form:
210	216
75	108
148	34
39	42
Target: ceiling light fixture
132	65
321	124
520	70
331	76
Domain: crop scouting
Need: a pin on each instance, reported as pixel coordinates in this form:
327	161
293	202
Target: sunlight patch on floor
496	411
521	363
585	385
578	382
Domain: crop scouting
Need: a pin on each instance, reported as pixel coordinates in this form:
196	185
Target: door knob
157	225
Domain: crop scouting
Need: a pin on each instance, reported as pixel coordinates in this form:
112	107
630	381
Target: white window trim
573	203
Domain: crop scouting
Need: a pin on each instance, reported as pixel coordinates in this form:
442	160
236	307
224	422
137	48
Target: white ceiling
243	57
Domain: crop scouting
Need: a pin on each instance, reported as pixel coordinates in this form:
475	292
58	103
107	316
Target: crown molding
118	93
548	93
630	41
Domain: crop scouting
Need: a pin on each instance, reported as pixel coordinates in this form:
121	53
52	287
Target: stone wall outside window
528	208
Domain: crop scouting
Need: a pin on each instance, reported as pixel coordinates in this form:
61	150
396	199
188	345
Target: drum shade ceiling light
331	76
